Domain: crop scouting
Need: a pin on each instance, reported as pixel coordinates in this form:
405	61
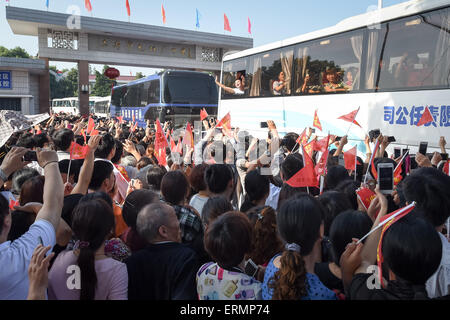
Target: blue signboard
5	80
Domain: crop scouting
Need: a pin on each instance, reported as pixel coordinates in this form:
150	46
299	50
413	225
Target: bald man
165	269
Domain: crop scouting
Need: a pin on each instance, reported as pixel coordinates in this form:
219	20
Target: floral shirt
216	283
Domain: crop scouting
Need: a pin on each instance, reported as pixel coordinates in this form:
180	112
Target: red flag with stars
203	114
305	177
225	123
426	117
78	152
316	122
302	138
321	166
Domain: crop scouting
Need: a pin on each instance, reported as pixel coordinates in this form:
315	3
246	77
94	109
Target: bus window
232	72
186	89
132	96
153	92
331	64
415	53
143	90
116	98
277	68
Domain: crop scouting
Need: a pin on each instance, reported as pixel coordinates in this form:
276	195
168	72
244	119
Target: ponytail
289	282
86	262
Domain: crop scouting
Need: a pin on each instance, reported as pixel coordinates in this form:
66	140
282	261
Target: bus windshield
186	89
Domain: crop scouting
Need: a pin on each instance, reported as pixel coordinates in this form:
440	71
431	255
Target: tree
139	75
64	87
103	84
17	52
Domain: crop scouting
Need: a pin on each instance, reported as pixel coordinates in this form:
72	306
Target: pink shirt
112	279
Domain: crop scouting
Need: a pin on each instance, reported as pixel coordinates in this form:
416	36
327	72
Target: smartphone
391	139
397	153
337	139
423	148
264	125
444	156
250	268
386	177
30	156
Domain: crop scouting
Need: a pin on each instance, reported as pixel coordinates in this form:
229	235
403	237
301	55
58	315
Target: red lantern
112	73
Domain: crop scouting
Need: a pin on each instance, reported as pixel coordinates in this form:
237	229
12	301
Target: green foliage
66	86
103	84
17	52
139	75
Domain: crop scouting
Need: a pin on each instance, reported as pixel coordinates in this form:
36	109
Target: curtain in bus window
372	60
287	58
255	88
302	59
442	54
357	50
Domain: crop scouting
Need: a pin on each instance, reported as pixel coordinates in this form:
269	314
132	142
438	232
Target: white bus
392	63
101	107
71	105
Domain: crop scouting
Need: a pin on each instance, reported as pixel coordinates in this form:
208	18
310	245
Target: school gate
84	40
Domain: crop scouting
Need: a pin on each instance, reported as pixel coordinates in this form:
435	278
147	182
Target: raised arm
342	143
87	169
11	163
53	188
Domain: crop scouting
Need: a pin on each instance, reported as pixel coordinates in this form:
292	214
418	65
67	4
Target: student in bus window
333	84
239	85
386	79
350	77
279	85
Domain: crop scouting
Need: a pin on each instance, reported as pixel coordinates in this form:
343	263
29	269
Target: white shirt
63	155
274	194
15	258
238	91
439	283
198	202
275	85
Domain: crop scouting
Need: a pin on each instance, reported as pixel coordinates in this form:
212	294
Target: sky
271	20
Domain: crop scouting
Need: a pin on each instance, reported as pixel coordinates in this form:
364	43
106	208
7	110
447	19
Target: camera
30	156
250	268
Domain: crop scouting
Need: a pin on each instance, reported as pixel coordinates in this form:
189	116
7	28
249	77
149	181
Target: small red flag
13	204
88	5
188	137
134	127
226	23
120	119
91	125
321	166
309	148
128	8
305	177
172	145
95	133
350	117
163	13
389	220
302	138
78	152
203	114
249	25
160	139
160	155
225	123
321	145
350	159
365	195
426	117
316	122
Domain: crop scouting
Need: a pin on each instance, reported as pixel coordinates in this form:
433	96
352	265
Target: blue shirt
315	288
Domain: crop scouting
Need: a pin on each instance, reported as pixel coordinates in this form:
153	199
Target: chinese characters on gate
5	79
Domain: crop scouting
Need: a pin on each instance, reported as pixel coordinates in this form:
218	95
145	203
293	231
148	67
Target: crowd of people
220	221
